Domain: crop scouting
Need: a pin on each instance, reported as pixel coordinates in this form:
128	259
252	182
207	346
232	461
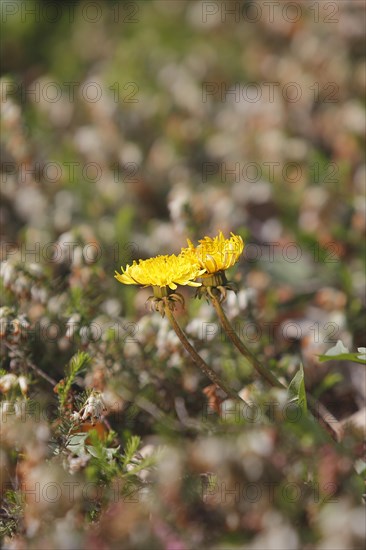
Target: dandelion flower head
162	271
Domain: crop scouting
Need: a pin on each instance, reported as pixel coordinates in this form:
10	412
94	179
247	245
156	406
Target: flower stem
196	357
319	411
271	379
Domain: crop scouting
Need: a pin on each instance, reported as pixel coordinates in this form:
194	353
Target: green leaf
77	363
130	449
296	390
104	452
339	352
76	444
355	357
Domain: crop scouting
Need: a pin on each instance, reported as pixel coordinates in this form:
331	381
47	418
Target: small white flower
77	463
338	349
72	325
7	272
75	417
23	384
7	382
94	407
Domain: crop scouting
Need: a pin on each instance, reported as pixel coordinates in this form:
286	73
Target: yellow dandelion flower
162	271
216	254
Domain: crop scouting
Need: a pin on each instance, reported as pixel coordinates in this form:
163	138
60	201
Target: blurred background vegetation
126	128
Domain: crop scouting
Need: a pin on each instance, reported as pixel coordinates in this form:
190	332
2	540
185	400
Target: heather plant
215	151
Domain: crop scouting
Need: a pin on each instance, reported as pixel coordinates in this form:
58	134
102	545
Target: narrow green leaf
102	452
296	390
130	449
354	357
77	363
339	352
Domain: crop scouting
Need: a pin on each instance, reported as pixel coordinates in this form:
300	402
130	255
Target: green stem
265	373
196	357
318	410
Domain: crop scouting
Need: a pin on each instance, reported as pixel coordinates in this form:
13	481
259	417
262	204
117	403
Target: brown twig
32	365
